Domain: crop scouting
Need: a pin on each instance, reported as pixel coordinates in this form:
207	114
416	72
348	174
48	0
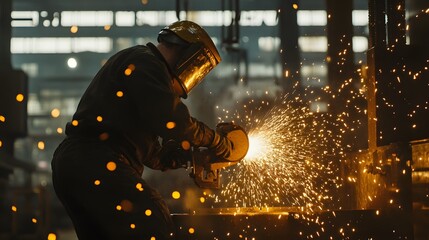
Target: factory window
268	44
125	19
314	75
258	18
144	40
314	70
210	18
312	18
320	44
360	44
122	43
360	17
147	18
34	107
101	45
155	18
319	17
32	69
86	18
264	70
313	44
61	45
25	18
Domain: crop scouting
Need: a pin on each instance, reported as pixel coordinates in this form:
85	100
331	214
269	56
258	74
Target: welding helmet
199	56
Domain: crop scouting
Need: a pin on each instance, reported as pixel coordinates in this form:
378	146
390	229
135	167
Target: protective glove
173	156
221	146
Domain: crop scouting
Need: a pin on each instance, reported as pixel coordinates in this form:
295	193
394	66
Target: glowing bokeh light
119	94
175	195
186	145
171	125
111	166
139	187
41	145
74	29
75	123
52	236
55	113
72	63
19	97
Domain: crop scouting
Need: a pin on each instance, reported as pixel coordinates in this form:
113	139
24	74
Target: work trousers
104	196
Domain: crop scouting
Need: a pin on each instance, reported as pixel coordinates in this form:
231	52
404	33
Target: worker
130	110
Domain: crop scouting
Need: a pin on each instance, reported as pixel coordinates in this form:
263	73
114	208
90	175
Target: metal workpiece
379	179
291	224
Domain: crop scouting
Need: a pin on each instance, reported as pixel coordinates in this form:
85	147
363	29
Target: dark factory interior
333	94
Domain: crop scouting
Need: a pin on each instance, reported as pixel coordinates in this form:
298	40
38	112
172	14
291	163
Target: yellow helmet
200	54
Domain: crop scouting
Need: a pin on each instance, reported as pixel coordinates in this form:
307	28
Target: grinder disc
240	142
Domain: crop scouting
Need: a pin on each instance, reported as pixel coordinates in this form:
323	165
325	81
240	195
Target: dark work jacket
134	106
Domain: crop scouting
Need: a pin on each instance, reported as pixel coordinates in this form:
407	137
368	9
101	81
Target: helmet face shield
194	66
199	57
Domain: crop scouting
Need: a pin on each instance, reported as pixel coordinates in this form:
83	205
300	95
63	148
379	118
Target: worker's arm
163	111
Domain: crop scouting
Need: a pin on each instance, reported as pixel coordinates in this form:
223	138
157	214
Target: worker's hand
221	145
172	156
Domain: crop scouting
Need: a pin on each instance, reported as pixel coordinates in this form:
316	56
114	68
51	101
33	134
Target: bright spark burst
284	165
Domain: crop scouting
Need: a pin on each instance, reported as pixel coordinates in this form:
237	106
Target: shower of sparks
295	152
286	164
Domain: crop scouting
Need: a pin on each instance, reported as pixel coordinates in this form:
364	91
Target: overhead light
72	63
